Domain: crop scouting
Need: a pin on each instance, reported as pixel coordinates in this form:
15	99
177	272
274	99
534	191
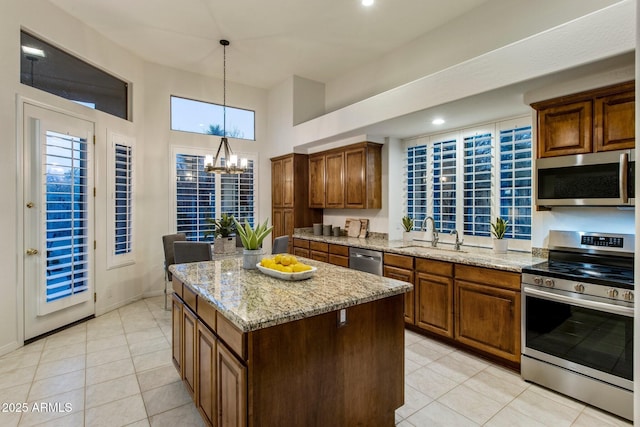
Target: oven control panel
604	241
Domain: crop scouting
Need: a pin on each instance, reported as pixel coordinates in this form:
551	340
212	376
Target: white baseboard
8	348
104	310
156	293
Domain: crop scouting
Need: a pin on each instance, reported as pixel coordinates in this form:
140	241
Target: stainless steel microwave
595	179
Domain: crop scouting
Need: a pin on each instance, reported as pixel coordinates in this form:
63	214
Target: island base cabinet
488	318
231	384
206	396
319	372
189	328
176	332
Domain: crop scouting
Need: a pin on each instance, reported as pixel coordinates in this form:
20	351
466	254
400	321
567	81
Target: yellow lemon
287	269
285	260
278	258
293	259
298	267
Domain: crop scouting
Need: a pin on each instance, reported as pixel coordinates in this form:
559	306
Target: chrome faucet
434	231
458	242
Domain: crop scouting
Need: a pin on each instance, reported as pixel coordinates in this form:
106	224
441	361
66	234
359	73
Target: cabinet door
189	350
409	299
615	122
565	129
206	383
176	332
355	164
277	218
334	164
287	182
488	319
231	385
316	182
319	256
277	183
301	252
434	303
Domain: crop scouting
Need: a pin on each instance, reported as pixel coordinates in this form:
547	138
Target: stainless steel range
577	319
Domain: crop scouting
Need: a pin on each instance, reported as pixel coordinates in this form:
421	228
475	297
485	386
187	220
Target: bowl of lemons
285	267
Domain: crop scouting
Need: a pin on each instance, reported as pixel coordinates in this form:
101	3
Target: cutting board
352	227
364	226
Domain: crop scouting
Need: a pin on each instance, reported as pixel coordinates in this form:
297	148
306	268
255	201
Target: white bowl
287	276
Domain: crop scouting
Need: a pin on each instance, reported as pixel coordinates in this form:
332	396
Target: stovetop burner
606	275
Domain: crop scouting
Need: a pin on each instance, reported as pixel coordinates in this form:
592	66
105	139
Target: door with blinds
58	220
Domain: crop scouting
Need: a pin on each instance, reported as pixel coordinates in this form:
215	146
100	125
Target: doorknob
32	251
30	205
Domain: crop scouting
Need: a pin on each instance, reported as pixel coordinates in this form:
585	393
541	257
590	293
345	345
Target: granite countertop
469	255
252	300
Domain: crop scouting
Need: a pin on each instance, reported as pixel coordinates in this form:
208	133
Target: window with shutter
477	184
417	184
444	185
122	195
199	195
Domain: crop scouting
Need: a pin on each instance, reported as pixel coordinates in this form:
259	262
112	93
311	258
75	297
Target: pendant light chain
224	89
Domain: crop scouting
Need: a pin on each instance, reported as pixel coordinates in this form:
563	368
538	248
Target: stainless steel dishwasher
365	260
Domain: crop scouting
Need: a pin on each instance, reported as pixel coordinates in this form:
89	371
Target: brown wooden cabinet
176	332
346	177
488	311
400	267
231	387
597	120
319	251
289	185
339	255
434	296
301	247
206	386
189	329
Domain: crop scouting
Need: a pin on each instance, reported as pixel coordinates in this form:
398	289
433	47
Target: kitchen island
258	351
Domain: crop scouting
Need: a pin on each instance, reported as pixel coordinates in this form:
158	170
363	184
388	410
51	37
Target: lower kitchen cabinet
176	332
434	296
189	328
488	311
301	248
206	387
339	255
319	251
400	267
231	385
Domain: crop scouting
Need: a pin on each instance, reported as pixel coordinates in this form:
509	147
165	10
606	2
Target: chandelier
215	164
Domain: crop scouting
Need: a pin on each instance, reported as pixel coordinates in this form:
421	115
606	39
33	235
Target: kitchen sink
437	248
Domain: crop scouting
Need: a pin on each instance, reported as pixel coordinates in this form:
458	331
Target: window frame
214	104
120	260
193	151
494	129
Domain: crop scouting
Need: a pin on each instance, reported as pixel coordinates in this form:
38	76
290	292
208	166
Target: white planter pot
407	239
500	246
224	245
250	257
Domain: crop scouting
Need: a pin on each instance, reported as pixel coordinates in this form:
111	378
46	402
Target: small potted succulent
407	225
498	229
223	230
252	241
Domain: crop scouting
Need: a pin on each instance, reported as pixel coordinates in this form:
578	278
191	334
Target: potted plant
498	229
407	224
223	230
252	241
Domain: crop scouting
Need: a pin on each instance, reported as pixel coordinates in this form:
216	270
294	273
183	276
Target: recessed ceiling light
438	121
367	2
33	51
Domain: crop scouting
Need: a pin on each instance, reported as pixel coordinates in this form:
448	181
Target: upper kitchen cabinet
289	183
346	177
597	120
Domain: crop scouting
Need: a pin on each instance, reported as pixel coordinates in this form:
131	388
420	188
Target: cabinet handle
32	251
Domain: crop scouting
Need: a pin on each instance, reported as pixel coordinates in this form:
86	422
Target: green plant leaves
252	238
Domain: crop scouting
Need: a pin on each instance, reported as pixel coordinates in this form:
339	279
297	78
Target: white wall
114	287
493	24
161	83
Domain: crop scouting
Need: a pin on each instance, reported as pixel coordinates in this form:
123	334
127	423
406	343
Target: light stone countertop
252	300
469	255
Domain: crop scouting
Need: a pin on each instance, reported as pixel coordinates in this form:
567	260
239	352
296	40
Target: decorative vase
406	237
500	246
251	257
224	245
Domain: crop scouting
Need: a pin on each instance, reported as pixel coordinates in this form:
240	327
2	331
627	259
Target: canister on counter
326	230
317	229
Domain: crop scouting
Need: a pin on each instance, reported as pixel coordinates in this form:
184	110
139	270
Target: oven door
587	335
596	179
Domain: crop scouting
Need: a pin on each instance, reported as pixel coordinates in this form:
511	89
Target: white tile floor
116	370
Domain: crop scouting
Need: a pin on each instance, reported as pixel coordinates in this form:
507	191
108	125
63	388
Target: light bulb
244	163
208	160
367	2
233	160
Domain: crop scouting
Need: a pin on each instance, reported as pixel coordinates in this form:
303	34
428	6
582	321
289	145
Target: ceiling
271	40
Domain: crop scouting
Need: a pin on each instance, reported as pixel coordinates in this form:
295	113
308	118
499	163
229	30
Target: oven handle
623	180
595	305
